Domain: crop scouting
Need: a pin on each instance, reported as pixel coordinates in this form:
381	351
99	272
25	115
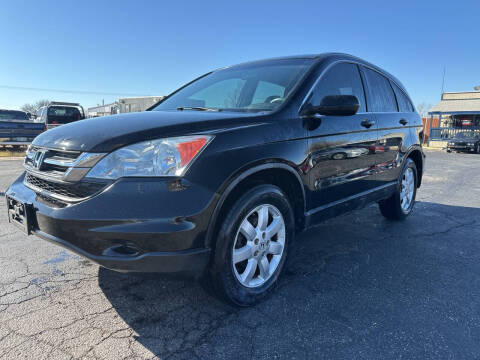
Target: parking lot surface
357	286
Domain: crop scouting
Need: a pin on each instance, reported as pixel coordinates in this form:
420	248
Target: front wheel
252	246
400	204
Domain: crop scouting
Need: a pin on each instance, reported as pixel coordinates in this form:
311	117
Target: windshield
466	135
63	114
13	115
261	86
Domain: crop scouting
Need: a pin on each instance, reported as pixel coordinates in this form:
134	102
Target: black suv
219	177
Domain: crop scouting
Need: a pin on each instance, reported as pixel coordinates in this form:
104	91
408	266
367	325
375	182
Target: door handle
367	123
403	121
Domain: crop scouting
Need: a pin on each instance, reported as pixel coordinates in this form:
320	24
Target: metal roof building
456	112
458	103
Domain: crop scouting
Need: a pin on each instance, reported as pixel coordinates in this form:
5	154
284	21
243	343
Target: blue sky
153	47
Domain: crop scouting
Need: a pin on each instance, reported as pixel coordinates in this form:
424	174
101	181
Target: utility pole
443	79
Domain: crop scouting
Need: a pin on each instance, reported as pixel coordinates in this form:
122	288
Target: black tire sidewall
222	270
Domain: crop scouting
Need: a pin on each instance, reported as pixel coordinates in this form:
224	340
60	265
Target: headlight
162	157
470	144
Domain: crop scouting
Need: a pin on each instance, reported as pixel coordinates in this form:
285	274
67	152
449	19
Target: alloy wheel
258	246
408	189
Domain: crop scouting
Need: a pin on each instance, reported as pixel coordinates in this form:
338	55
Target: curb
12	154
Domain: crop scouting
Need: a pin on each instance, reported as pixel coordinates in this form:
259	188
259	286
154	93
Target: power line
85	92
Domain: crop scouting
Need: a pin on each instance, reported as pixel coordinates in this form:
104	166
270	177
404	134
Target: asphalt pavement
357	287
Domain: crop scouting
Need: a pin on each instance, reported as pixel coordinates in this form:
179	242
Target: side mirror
336	105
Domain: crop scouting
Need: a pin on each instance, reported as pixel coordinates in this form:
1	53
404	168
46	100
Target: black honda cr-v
218	178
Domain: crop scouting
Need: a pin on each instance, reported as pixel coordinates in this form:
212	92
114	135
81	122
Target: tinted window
467	135
379	93
13	115
404	105
341	79
62	114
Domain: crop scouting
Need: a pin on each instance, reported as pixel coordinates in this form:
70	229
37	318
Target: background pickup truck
16	128
59	113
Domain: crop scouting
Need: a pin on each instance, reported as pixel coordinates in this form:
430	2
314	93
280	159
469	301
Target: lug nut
256	253
256	241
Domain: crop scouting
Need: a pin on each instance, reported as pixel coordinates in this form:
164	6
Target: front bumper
461	147
134	225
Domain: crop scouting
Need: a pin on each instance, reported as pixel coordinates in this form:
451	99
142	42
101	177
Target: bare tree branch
32	108
423	108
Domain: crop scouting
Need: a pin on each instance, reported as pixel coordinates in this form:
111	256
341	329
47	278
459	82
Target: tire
395	207
449	151
238	282
478	148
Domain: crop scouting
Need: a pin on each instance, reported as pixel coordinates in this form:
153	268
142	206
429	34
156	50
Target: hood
463	140
104	134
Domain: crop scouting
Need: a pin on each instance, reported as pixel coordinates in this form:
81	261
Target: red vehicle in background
464	121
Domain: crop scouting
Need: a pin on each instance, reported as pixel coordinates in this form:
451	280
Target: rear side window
404	104
39	113
379	93
341	79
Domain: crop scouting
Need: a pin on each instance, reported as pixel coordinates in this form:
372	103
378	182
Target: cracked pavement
357	286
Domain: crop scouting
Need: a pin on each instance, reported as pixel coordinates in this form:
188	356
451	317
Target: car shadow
354	283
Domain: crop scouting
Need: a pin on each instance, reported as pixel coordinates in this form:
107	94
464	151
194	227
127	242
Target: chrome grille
67	192
69	166
60	174
54	163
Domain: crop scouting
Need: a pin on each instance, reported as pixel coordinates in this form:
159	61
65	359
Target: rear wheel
478	148
252	246
400	204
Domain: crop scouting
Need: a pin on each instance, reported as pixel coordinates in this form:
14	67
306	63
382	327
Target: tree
423	108
32	108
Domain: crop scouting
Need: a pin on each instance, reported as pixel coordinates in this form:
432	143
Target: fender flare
418	148
234	180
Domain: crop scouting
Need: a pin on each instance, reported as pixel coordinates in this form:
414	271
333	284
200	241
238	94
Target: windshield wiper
198	108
